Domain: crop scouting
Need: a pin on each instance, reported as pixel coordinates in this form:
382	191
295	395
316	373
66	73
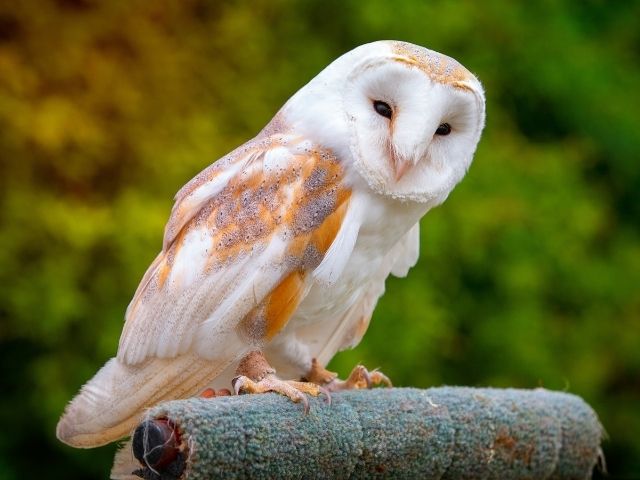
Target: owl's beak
399	164
400	167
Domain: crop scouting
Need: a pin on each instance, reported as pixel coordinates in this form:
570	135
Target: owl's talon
326	393
237	383
305	402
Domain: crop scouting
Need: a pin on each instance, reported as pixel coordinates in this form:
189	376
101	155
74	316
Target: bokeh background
529	274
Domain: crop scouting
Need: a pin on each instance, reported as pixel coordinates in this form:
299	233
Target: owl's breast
384	223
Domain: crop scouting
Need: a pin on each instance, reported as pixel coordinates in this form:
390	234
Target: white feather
408	251
338	254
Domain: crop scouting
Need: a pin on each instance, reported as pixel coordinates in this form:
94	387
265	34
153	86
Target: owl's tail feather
109	406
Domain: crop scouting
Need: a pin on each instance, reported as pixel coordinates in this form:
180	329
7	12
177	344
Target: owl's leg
359	378
255	375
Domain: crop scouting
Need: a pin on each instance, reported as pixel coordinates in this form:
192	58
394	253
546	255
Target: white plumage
284	245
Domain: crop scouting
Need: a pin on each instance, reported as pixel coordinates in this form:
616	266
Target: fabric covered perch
438	433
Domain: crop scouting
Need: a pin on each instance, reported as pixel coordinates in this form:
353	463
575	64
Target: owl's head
409	118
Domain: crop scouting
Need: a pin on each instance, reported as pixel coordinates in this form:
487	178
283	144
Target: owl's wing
244	240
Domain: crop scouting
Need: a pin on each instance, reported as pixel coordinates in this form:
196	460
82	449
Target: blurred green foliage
529	274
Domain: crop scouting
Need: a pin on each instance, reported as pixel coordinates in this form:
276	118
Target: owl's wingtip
68	434
64	432
96	416
111	404
72	431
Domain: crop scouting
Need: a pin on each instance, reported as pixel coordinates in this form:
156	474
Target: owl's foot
320	375
359	378
255	375
295	391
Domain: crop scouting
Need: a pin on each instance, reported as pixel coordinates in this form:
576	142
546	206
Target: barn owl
274	256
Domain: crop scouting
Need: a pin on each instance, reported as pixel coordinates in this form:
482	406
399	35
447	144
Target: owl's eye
382	108
443	129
